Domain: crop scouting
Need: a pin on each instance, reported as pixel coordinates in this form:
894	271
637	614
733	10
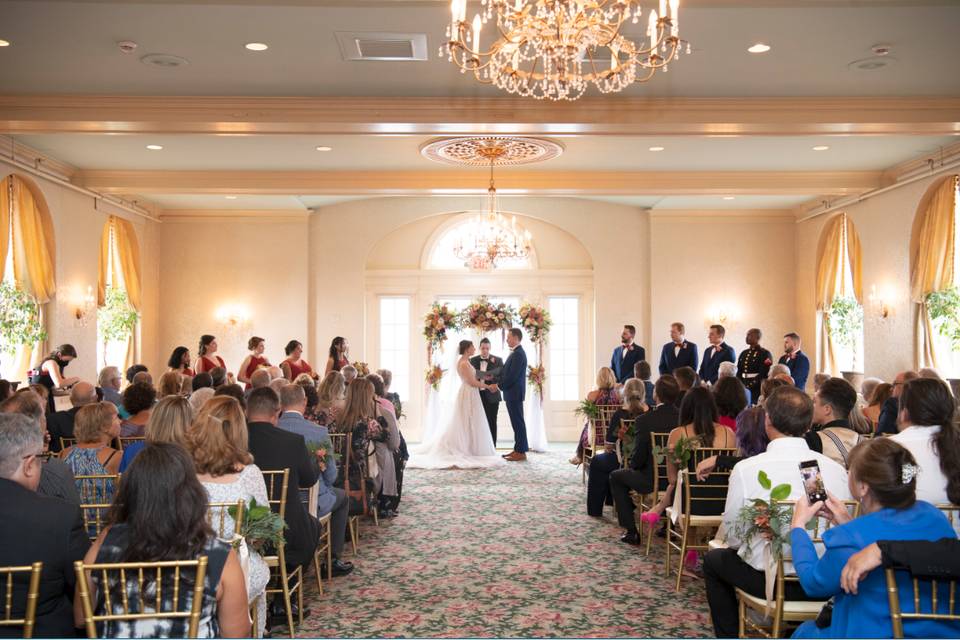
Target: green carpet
507	552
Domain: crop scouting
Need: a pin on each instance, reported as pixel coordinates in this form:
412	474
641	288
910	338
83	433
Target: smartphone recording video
812	481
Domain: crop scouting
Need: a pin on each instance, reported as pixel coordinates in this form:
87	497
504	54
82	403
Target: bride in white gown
464	440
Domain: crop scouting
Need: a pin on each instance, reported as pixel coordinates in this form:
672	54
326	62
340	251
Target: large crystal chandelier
554	49
492	235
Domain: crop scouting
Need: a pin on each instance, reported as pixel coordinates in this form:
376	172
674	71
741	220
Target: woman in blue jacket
883	480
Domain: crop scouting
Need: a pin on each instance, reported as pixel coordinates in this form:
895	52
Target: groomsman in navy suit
678	352
718	351
796	360
626	355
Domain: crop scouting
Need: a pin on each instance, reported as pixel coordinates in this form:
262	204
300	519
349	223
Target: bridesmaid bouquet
434	376
535	320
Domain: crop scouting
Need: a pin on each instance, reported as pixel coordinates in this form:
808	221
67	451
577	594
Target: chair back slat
277	484
125	442
705	497
32	575
660	480
920	611
97	488
66	443
226	526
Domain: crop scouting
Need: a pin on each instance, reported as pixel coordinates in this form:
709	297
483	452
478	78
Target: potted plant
116	319
943	308
845	322
19	320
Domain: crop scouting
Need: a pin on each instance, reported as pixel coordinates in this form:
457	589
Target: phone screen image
812	481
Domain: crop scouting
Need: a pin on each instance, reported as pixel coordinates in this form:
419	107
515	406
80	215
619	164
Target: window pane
564	348
395	342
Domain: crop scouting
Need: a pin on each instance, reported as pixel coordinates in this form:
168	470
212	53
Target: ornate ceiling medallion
486	151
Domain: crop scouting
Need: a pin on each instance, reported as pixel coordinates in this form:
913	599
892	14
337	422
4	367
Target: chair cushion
794	607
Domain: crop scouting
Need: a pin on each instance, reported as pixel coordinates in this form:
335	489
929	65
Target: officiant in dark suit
490	366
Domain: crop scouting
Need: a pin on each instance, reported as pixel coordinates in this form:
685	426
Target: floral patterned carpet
504	552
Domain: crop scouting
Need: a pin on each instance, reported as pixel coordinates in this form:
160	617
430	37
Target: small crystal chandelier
493	236
549	49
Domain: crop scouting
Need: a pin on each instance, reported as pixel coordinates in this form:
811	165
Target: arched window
933	278
118	295
27	255
840	297
462	234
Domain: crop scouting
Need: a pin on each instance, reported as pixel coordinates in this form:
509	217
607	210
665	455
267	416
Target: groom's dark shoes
516	456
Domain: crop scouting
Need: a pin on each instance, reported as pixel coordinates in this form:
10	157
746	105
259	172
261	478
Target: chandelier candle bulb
477	25
675	16
663	7
652	32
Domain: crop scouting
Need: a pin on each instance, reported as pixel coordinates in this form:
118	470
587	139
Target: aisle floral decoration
434	376
535	320
363	369
536	377
483	316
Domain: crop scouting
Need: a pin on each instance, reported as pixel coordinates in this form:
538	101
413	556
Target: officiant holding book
488	368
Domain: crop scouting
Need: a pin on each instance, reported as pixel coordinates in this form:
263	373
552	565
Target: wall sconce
86	305
233	316
878	302
722	315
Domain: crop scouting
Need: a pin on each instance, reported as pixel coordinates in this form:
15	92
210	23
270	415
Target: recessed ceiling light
821	147
759	48
4	43
324	148
729	197
154	147
256	46
230	197
657	148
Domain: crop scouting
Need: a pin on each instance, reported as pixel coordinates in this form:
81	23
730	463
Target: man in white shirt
789	414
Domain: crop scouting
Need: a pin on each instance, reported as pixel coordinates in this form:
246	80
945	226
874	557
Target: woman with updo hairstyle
49	373
883	480
731	398
180	362
339	355
294	365
606	393
208	360
254	360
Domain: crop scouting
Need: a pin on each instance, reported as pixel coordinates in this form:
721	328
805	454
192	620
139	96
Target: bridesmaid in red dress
180	362
253	361
339	356
207	360
294	365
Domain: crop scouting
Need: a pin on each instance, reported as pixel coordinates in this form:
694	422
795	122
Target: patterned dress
85	462
112	550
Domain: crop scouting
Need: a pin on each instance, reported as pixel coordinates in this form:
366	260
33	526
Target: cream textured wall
257	263
741	262
884	224
78	223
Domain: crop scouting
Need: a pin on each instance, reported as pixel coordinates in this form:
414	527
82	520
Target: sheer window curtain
120	266
931	262
28	239
837	256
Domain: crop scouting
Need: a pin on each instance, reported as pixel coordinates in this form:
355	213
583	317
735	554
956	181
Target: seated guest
393	397
789	415
603	464
169	422
217	442
207	359
201	381
831	434
349	374
275	372
731	399
929	431
138	400
143	377
259	379
60	424
37	529
770	384
170	384
883	480
662	418
254	361
330	499
6	390
678	352
752	436
180	362
42	392
401	456
626	355
887	422
796	361
384	447
937	559
930	373
147	524
605	394
686	379
278	384
867	387
218	375
312	397
875	401
57	479
274	450
199	397
234	391
295	364
109	382
699	420
96	427
642	372
332	401
818	380
718	351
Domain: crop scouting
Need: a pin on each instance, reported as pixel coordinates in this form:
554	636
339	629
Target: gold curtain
931	261
33	246
6	210
123	262
839	249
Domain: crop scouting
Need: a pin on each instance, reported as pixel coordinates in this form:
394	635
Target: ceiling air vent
382	46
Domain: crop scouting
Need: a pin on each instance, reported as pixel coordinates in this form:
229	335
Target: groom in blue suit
513	383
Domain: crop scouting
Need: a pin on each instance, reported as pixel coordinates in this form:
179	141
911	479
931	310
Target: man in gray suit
330	499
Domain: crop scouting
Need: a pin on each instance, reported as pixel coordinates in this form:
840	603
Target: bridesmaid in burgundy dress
208	360
294	365
339	355
254	361
180	362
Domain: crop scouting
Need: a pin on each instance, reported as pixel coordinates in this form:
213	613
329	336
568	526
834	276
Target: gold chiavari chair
597	434
226	526
123	443
952	512
288	582
660	481
622	443
30	604
940	593
769	622
66	442
341	445
96	496
165	575
324	548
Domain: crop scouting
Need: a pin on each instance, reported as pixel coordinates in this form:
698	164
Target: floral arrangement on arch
434	376
536	378
484	316
535	320
437	322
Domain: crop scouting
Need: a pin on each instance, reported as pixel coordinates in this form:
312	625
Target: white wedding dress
463	440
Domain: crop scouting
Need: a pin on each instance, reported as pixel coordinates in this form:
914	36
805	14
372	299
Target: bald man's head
83	393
